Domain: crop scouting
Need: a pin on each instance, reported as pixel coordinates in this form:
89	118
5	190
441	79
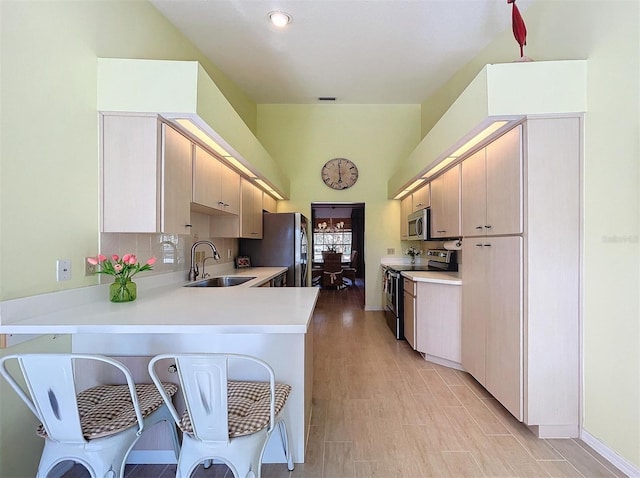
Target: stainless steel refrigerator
284	243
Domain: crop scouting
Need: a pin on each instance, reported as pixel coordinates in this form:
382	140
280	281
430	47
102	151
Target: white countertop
452	278
172	308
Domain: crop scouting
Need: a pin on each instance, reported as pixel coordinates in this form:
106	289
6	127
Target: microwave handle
419	227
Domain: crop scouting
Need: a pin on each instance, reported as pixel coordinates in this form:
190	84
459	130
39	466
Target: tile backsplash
172	251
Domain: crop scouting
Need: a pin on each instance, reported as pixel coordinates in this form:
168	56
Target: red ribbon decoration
518	26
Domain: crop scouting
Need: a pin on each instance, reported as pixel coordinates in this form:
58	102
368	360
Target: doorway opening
339	227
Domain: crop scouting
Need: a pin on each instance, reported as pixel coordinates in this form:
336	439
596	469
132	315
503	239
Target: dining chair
349	270
96	427
332	270
224	419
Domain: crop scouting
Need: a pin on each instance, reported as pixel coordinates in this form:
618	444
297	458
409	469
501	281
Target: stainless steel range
438	260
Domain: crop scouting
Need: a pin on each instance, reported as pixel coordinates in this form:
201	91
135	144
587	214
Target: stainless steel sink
221	281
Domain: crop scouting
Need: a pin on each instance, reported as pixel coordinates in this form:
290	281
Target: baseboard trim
622	464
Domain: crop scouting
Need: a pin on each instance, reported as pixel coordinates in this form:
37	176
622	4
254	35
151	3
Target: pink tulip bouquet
122	269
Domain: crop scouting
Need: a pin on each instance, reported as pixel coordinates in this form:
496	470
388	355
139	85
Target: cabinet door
229	190
445	204
409	313
475	303
269	204
177	175
206	179
504	184
250	211
474	195
438	320
130	172
504	362
422	197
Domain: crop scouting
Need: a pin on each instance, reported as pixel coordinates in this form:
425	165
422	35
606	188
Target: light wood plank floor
382	411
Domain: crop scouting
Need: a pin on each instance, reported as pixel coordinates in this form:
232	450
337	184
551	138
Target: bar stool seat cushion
107	409
248	407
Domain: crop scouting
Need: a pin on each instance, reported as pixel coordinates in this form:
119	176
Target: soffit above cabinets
506	92
183	90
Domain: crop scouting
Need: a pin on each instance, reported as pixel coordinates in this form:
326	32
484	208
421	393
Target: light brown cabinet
493	317
445	204
215	185
409	297
521	292
492	188
250	210
145	175
269	203
406	207
421	198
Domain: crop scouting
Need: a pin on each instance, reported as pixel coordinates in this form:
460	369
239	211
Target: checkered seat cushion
248	407
107	409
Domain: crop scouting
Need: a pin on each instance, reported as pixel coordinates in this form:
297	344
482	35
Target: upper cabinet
269	204
421	198
250	210
445	204
492	188
215	185
146	175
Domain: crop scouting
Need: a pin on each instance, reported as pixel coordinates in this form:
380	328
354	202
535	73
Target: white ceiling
360	51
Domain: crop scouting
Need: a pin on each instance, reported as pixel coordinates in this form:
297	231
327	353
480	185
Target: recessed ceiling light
279	19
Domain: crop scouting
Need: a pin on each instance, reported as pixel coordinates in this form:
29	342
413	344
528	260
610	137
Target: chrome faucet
193	271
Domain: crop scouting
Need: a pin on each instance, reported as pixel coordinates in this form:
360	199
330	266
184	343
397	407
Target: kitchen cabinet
438	322
493	317
250	210
269	203
409	297
145	175
492	188
421	198
521	293
215	185
445	204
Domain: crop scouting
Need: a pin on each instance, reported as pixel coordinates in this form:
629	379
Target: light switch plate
391	251
63	271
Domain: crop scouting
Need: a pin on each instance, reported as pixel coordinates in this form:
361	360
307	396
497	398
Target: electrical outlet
63	269
89	269
391	251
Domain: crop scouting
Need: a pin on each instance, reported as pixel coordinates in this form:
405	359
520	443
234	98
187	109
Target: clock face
339	173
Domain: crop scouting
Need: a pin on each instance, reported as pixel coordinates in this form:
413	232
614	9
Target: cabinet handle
486	245
188	225
487	226
478	245
220	203
441	231
478	227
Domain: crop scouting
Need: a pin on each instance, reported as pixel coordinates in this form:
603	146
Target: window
332	234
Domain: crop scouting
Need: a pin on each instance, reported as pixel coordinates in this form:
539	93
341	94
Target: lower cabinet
492	317
432	320
438	321
410	312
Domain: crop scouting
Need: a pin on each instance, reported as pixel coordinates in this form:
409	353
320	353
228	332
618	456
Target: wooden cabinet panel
250	210
409	298
504	184
492	188
504	339
269	203
177	176
145	174
421	198
445	204
438	325
215	185
474	194
406	207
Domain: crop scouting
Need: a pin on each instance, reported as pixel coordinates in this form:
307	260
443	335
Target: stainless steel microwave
419	224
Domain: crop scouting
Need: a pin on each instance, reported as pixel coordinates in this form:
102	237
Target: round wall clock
339	173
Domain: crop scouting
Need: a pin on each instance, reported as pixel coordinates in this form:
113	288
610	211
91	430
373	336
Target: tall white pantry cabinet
521	272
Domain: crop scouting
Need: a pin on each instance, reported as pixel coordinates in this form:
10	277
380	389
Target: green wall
301	138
